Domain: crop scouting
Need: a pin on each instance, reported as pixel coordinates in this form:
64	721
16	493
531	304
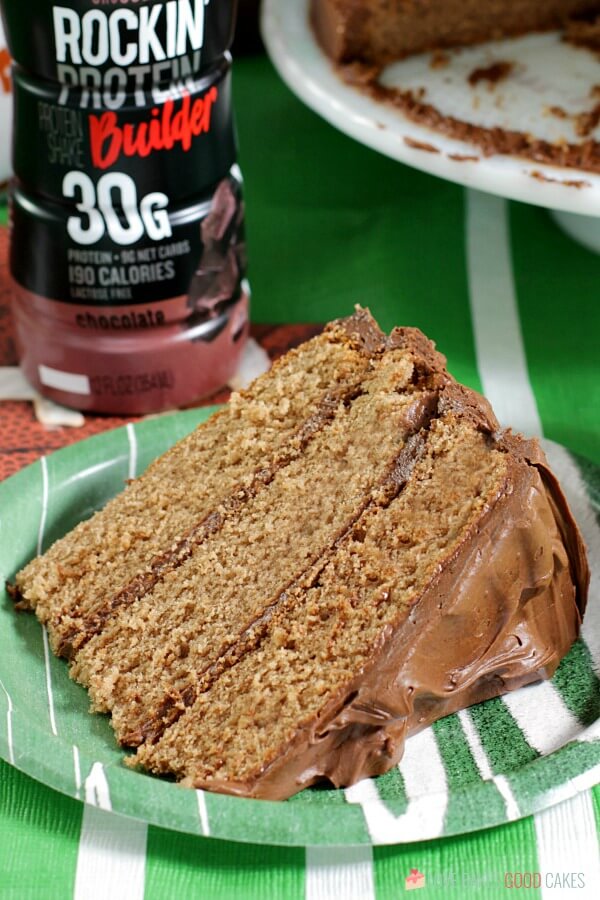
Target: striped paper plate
499	761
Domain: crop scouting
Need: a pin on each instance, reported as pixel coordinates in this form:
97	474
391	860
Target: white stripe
541	714
423	771
49	682
497	333
77	768
419	822
132	450
512	807
475	745
591	733
91	472
576	784
483	764
111	860
567	842
44	511
426	788
203	813
97	792
581	507
339	873
9	735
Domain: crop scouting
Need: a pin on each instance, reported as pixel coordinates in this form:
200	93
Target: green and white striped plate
496	762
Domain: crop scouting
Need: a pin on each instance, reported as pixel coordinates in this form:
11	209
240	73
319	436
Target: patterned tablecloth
514	305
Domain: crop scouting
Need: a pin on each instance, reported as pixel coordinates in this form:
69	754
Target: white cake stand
547	75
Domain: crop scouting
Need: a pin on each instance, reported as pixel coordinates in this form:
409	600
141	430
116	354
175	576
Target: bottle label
95	44
117	248
183	140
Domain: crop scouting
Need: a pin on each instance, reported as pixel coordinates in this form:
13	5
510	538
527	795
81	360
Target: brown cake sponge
347	552
379	31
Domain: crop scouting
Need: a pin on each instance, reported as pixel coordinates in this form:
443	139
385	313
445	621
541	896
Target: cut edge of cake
66	595
374	33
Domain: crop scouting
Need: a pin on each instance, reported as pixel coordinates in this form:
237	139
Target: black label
75	41
182	140
131	253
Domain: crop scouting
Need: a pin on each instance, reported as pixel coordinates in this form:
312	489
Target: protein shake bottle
127	243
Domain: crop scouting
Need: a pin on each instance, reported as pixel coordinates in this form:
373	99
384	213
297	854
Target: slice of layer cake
347	552
378	31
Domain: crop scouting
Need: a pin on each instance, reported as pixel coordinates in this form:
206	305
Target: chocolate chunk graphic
222	262
222	213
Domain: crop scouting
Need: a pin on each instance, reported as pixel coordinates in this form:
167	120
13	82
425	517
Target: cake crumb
493	74
574	182
463	157
557	111
587	122
420	145
439	59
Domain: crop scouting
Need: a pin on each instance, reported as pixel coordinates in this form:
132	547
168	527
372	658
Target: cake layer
145	531
159	646
457	590
378	31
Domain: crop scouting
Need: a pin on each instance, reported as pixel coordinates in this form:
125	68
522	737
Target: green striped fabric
329	224
40	842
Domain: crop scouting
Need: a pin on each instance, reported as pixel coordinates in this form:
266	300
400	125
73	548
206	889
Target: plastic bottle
127	221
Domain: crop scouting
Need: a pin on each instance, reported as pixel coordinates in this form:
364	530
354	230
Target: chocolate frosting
501	614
